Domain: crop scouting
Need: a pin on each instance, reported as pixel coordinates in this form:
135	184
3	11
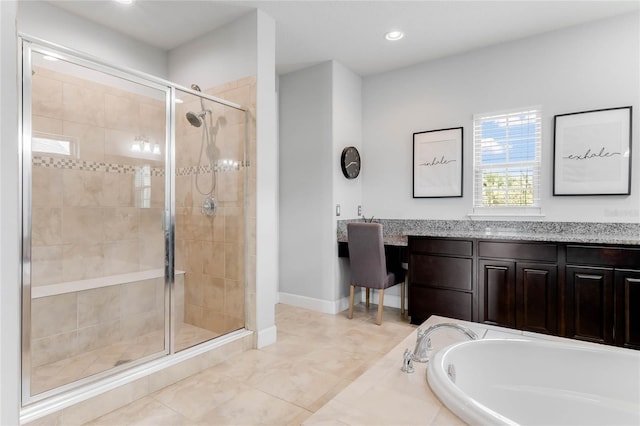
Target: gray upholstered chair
368	263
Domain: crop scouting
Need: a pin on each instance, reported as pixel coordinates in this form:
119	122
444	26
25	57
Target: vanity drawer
522	251
603	256
440	271
424	302
440	246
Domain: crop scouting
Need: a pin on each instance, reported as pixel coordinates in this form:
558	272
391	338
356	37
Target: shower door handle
166	227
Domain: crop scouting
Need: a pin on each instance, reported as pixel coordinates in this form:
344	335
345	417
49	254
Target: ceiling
352	32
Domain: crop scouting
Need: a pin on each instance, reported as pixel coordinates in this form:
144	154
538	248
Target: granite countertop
397	231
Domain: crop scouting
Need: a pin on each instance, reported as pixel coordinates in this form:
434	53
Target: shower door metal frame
28	45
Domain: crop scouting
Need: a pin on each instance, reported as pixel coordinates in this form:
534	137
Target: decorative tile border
192	170
93	166
90	166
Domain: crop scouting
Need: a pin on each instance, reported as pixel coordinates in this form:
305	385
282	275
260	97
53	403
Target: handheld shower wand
209	206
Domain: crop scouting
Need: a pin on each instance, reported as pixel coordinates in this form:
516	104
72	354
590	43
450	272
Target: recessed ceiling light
124	1
394	35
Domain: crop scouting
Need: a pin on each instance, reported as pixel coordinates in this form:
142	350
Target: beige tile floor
316	356
68	370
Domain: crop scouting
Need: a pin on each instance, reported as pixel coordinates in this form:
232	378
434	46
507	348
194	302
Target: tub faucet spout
423	343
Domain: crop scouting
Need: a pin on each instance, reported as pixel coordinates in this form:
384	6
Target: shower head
195	119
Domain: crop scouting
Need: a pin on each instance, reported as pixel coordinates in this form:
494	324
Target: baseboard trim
318	305
328	307
391	300
266	337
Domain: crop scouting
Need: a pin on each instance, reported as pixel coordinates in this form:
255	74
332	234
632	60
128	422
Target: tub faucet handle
407	362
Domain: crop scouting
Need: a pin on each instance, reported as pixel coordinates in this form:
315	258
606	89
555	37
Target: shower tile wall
211	249
95	330
88	219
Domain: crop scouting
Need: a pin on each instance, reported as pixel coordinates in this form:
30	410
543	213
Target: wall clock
350	162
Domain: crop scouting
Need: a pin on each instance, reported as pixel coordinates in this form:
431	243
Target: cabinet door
496	292
627	306
589	309
536	295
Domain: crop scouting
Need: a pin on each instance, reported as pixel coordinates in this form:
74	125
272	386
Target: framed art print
437	163
592	152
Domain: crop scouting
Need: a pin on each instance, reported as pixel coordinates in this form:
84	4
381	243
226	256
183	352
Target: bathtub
537	382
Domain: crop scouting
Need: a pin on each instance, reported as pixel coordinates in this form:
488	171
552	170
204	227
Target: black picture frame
592	152
438	163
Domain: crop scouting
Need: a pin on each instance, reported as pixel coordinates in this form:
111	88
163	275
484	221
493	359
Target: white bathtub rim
457	401
471	410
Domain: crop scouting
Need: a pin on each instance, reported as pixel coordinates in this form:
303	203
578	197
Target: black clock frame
343	162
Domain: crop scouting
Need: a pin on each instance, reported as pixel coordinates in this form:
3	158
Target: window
143	187
59	146
507	162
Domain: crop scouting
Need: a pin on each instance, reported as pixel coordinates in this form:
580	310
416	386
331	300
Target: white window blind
507	157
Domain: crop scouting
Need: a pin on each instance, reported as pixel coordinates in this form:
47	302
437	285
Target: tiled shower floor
83	365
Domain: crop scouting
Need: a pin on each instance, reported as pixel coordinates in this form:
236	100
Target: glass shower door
210	220
94	172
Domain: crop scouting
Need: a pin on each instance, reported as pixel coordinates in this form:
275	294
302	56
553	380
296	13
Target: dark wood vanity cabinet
497	292
588	292
440	278
603	294
589	307
627	307
517	285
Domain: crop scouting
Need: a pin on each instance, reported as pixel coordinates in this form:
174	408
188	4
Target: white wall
347	131
306	175
50	23
9	223
320	114
582	68
267	273
225	54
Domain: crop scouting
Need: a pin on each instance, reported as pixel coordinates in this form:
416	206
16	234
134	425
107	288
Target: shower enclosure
133	200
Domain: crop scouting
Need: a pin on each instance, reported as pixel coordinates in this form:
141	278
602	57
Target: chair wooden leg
380	303
352	292
402	293
367	298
